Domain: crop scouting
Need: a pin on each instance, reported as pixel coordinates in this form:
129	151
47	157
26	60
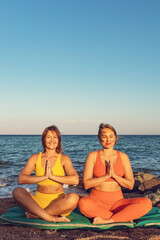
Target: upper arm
30	166
68	166
89	165
128	173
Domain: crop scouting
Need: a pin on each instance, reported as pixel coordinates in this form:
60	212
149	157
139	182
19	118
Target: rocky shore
145	185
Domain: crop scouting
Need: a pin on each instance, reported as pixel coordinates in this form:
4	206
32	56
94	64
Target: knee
147	203
83	205
72	198
18	192
87	207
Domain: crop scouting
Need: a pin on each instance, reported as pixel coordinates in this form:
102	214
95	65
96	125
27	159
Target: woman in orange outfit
52	170
106	171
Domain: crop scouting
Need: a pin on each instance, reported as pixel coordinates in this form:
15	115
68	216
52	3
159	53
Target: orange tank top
100	168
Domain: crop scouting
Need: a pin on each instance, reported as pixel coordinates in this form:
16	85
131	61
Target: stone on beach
152	184
141	177
149	185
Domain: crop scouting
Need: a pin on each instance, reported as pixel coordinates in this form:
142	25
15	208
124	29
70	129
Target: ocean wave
4	162
3	185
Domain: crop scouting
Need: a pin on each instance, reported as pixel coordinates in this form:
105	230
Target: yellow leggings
44	199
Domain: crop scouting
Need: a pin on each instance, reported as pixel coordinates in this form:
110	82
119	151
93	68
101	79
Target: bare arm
72	177
88	179
25	175
128	180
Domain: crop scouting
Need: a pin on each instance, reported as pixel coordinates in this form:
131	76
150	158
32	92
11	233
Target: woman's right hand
25	175
48	172
47	169
108	168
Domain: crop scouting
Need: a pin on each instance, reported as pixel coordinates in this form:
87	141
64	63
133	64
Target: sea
15	150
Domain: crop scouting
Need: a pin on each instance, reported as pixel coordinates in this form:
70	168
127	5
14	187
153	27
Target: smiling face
51	140
107	138
49	134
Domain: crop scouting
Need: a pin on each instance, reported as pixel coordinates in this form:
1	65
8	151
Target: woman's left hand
49	169
112	172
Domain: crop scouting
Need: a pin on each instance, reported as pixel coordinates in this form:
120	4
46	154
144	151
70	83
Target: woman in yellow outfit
50	166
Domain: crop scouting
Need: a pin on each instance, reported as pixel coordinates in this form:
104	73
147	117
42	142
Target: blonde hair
103	126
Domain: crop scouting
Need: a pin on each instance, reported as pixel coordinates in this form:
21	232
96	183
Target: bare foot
49	218
61	219
98	220
30	215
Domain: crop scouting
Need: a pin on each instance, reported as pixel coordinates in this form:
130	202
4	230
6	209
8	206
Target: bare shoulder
65	159
92	154
91	157
34	157
124	157
30	165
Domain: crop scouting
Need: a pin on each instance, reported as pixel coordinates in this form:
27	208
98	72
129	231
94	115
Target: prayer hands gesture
48	170
109	169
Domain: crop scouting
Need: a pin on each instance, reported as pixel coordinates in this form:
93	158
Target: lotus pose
50	166
106	171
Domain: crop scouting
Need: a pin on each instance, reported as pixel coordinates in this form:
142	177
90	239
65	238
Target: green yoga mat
151	219
16	216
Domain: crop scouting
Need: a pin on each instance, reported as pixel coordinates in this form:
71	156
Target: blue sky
77	63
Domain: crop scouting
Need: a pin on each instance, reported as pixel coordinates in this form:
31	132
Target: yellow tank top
56	170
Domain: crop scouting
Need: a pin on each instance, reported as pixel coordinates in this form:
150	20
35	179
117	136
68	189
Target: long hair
103	126
52	128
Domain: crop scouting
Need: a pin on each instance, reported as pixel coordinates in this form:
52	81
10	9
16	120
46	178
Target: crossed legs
51	213
122	210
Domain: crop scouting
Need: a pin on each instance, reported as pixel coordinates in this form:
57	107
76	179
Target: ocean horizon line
25	134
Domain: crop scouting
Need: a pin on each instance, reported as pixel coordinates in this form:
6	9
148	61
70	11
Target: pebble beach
9	232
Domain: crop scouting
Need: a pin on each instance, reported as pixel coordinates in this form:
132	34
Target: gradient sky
77	63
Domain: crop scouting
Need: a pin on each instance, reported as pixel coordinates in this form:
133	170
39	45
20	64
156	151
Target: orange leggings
112	205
